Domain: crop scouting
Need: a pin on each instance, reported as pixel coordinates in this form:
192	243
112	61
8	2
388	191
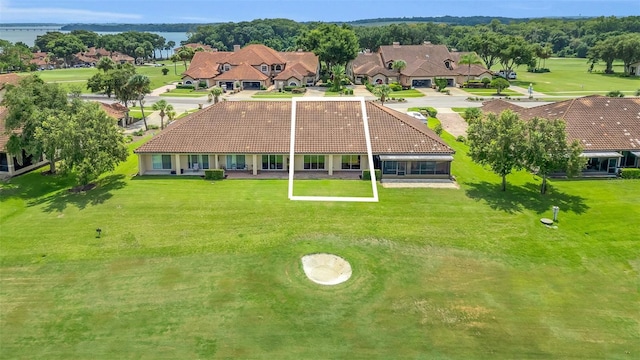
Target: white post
255	164
178	172
330	165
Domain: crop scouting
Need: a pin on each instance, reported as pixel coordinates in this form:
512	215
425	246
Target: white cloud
46	14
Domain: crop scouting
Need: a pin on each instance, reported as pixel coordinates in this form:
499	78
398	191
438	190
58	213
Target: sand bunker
326	269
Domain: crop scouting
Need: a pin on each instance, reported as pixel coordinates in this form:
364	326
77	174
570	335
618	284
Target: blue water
29	36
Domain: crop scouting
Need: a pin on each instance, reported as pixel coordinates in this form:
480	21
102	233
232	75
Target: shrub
153	127
165	71
366	174
460	138
202	84
139	132
630	173
486	81
615	93
638	92
288	88
395	86
369	87
438	129
214	174
191	87
299	90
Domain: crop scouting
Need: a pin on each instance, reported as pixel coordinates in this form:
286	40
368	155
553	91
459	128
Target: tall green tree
93	143
486	44
514	52
138	85
498	141
164	107
628	50
605	50
469	59
65	47
169	45
105	64
186	54
548	150
332	43
29	105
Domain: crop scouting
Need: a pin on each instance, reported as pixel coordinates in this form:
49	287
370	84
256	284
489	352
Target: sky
211	11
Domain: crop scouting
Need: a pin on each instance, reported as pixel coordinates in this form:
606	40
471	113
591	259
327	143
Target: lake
28	35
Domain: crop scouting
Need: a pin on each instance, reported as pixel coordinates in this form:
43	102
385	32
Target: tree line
511	44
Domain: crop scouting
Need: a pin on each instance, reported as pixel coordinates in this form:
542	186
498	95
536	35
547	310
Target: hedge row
630	173
214	174
366	175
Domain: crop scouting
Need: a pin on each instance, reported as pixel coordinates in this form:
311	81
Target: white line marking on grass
365	122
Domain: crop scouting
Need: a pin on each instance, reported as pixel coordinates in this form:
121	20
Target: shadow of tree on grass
518	198
59	201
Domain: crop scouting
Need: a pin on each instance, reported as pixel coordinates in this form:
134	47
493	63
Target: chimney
367	51
396	44
214	49
236	48
427	43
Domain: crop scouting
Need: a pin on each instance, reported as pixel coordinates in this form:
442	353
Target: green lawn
188	268
570	77
81	75
411	93
491	92
184	93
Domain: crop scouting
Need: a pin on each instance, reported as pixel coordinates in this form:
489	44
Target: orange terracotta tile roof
297	71
306	59
599	123
426	60
242	72
256	54
9	79
114	110
321	127
204	65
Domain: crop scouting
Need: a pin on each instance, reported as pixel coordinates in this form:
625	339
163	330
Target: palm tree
175	58
338	75
399	65
164	107
215	93
381	92
470	59
138	84
105	64
169	46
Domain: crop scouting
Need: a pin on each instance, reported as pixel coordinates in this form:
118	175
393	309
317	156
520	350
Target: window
314	162
272	162
265	68
236	162
350	162
226	67
161	162
278	67
390	167
293	83
423	167
202	161
391	65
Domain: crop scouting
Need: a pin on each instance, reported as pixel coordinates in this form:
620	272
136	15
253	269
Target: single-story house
254	137
607	128
118	112
10	164
252	67
93	55
634	69
425	63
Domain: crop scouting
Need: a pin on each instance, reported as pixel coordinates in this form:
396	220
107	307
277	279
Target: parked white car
418	116
511	76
